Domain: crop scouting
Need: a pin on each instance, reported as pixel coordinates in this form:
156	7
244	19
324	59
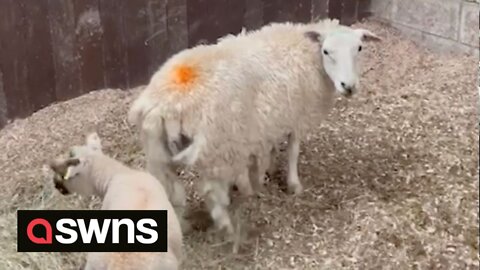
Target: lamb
89	171
238	98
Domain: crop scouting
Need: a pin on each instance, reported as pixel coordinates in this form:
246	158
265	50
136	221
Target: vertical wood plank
157	40
89	43
136	32
285	10
335	9
319	9
115	51
211	19
363	9
253	17
66	58
177	25
13	61
349	12
40	67
3	103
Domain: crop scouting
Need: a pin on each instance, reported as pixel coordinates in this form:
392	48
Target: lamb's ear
93	142
367	35
60	167
313	36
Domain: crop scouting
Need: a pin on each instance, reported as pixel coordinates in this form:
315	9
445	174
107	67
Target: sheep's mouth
347	94
58	183
61	188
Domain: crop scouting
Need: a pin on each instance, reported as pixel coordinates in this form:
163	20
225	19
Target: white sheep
161	129
89	171
239	97
298	88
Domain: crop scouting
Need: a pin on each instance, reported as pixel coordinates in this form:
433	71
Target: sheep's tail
144	113
139	110
165	132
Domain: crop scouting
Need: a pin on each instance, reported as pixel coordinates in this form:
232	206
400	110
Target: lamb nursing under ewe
89	171
220	106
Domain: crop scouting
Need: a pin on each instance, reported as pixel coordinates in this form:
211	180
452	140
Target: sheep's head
340	49
69	173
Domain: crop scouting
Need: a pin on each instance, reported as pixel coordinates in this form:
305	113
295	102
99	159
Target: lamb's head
71	174
340	48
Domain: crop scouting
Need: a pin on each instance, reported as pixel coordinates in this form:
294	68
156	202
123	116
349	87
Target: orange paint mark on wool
184	74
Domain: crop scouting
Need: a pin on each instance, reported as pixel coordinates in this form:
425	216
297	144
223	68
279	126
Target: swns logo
92	230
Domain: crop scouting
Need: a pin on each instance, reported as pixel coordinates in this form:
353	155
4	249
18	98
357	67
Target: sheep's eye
325	52
71	154
359	48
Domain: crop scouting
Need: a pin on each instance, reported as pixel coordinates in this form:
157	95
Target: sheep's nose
348	88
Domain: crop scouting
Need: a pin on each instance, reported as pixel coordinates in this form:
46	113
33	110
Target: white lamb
241	96
89	171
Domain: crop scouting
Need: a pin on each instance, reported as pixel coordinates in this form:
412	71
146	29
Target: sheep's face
340	50
71	174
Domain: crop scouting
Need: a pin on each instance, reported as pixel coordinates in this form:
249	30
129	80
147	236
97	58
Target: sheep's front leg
243	184
264	162
293	151
256	171
272	167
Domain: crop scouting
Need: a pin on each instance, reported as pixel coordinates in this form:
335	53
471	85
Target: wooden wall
53	50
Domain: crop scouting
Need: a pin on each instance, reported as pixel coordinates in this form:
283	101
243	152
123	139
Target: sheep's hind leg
272	166
157	165
293	151
179	203
217	200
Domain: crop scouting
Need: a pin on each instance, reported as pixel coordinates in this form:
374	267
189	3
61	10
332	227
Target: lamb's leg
88	266
95	262
217	200
293	151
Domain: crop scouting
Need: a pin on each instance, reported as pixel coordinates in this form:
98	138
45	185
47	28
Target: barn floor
391	178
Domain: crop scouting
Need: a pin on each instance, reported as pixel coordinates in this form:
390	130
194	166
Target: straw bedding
391	177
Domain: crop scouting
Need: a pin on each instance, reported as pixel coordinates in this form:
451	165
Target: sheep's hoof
272	171
223	235
227	232
295	189
244	190
260	192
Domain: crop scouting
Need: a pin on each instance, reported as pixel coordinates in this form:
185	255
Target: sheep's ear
61	167
313	36
93	142
367	35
